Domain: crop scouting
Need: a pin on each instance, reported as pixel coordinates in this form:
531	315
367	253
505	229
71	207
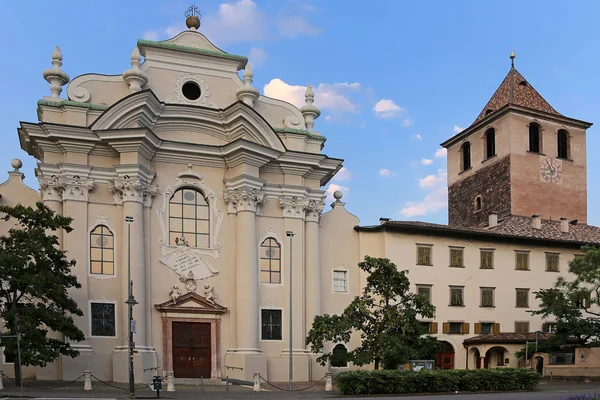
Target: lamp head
289	233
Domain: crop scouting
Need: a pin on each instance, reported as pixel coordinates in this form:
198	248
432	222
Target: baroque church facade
180	175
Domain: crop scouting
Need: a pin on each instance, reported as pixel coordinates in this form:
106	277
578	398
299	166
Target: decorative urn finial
193	18
56	77
309	111
134	76
247	93
512	59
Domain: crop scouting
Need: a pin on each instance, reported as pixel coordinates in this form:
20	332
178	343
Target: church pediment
191	303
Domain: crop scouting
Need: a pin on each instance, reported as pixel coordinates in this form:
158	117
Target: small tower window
563	144
490	142
478	203
466	156
534	138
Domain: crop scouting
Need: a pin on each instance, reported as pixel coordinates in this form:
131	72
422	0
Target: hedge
439	381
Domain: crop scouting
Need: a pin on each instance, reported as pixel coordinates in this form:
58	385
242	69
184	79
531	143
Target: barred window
270	261
487	297
424	255
189	219
102	251
103	319
339	281
522	260
552	260
270	324
522	298
487	259
456	257
456	296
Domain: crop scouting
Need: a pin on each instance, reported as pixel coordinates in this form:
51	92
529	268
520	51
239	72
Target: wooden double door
444	360
191	350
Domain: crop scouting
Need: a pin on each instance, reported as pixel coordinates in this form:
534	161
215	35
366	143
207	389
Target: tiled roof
515	90
512	226
507	337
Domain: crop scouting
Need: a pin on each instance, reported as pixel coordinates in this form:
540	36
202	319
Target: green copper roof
89	106
301	132
171	46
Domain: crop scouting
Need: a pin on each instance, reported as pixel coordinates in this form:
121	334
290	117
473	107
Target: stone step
198	382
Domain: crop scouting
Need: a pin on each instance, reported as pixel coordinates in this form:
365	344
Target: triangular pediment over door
191	303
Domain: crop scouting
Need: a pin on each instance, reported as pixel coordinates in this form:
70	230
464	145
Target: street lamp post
290	234
130	303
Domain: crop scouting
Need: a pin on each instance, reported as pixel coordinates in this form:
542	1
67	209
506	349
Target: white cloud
328	118
426	161
407	122
294	26
417	136
386	172
457	129
435	200
342	175
331	96
441	153
257	56
386	108
240	21
332	188
151	35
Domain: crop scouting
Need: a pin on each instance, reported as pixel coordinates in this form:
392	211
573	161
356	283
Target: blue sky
393	78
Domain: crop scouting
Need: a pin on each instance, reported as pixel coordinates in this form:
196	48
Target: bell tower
519	157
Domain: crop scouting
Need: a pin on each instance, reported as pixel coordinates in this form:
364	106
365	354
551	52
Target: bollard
328	382
257	381
170	381
550	377
227	383
87	380
202	384
1	375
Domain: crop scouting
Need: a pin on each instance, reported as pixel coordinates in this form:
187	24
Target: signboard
133	326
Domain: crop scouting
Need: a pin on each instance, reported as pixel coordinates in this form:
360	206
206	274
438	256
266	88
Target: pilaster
313	211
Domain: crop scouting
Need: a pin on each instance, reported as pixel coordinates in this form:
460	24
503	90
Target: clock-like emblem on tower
551	170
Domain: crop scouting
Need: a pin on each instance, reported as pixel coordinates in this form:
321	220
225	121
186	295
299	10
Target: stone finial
337	195
193	18
247	93
56	77
309	111
135	77
16	164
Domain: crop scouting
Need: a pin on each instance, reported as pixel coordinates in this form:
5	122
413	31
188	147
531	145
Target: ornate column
244	203
51	191
311	259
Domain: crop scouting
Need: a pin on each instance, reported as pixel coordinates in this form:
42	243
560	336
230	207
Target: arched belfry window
189	218
102	251
490	143
466	156
478	203
270	261
563	144
534	138
339	356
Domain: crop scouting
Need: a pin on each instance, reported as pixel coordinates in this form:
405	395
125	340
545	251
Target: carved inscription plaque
183	260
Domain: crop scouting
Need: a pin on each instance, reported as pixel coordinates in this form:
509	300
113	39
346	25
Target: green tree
385	315
573	304
35	277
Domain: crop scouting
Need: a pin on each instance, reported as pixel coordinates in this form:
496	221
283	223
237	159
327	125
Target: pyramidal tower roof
515	90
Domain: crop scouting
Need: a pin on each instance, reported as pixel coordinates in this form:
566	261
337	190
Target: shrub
400	382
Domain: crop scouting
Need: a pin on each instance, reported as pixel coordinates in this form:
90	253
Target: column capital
293	207
51	188
76	189
313	210
136	190
243	199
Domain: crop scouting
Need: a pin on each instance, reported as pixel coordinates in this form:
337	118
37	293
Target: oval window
191	90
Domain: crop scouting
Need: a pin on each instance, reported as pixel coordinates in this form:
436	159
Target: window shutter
477	328
433	327
496	327
446	327
465	327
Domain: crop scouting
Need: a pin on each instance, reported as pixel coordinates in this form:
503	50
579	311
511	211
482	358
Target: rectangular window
339	282
8	358
487	297
582	300
456	296
423	255
430	327
425	291
522	298
270	324
456	257
552	260
487	259
522	260
487	327
549	327
103	319
456	328
522	327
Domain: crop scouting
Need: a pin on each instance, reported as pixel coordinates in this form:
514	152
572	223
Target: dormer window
490	142
534	138
466	156
563	144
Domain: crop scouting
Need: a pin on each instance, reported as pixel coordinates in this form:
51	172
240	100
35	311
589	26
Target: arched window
189	219
270	261
466	156
478	203
563	144
339	356
534	138
102	251
490	142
